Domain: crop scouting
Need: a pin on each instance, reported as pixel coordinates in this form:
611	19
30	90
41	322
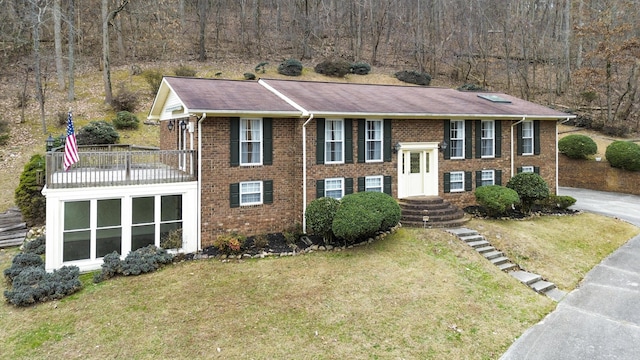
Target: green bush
28	194
36	246
383	204
363	214
290	67
335	68
319	217
154	79
249	76
126	120
624	155
261	67
140	261
557	202
124	100
183	70
413	77
471	87
360	68
496	199
34	284
20	262
577	146
4	132
530	187
97	133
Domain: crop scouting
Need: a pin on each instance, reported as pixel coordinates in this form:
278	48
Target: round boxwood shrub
97	133
624	155
383	204
577	146
360	68
413	77
496	199
319	217
336	68
530	187
557	202
126	120
362	214
290	67
28	194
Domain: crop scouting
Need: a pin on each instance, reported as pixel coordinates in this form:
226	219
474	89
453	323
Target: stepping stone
493	254
478	244
470	238
556	294
499	260
542	286
526	277
462	231
485	249
507	266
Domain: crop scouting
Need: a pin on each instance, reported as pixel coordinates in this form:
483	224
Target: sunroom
119	198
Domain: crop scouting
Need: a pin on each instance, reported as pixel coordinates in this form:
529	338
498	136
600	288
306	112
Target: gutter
557	155
512	152
199	197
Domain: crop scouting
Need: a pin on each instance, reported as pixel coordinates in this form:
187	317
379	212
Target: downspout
199	195
304	173
512	160
557	156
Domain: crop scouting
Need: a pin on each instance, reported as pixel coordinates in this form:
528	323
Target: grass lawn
417	294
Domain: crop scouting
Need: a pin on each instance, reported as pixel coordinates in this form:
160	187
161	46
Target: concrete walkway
601	318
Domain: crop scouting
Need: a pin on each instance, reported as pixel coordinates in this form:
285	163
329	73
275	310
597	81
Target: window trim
327	141
530	124
528	169
461	181
484	138
461	132
379	178
327	189
243	193
258	143
482	177
368	140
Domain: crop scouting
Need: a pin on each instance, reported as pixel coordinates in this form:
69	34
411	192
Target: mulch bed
515	214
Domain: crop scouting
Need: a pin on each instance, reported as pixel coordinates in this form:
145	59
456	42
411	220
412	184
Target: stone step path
496	257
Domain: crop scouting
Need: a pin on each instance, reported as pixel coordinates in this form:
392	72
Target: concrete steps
496	257
430	212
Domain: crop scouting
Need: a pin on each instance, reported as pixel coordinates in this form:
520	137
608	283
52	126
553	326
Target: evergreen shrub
126	120
290	67
20	262
97	133
319	217
36	246
34	284
413	77
249	76
28	195
140	261
362	215
530	187
360	68
577	146
557	202
335	68
624	155
496	199
470	87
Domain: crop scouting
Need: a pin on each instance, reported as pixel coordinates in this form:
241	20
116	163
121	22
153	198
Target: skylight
494	98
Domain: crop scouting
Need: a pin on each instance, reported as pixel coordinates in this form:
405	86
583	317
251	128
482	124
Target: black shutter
497	127
446	153
467	181
519	136
362	131
267	141
447	182
348	141
519	170
386	188
320	141
361	184
468	139
319	189
386	142
267	188
498	177
536	137
348	186
478	179
478	139
234	195
536	169
234	146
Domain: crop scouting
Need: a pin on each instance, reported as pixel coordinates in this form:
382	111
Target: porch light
49	143
396	147
443	145
183	125
170	125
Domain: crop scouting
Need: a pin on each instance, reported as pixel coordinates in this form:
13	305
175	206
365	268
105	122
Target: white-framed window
528	169
527	137
456	180
251	193
373	141
373	183
153	218
250	142
487	138
92	229
488	177
334	141
456	145
334	188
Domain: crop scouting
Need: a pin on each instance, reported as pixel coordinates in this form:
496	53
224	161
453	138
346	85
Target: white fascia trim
434	116
244	113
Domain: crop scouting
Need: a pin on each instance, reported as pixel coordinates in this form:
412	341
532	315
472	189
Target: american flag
70	146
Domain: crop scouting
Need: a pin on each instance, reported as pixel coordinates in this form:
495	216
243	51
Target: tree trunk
57	26
107	17
36	16
72	41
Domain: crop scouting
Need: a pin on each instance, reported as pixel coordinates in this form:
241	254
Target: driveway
601	318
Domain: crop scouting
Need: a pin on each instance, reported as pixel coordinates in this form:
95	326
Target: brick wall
596	175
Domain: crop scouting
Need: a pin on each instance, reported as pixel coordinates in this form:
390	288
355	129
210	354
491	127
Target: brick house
266	148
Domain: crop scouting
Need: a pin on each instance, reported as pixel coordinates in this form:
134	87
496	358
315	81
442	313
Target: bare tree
107	18
57	24
71	15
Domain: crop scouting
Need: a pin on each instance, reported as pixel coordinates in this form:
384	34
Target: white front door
418	170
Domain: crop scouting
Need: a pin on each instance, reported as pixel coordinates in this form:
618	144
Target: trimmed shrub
229	244
577	146
34	285
337	68
154	79
413	77
624	155
36	246
360	68
97	133
28	194
530	187
557	202
319	217
186	71
126	120
249	76
363	214
383	204
124	100
290	67
496	199
20	262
